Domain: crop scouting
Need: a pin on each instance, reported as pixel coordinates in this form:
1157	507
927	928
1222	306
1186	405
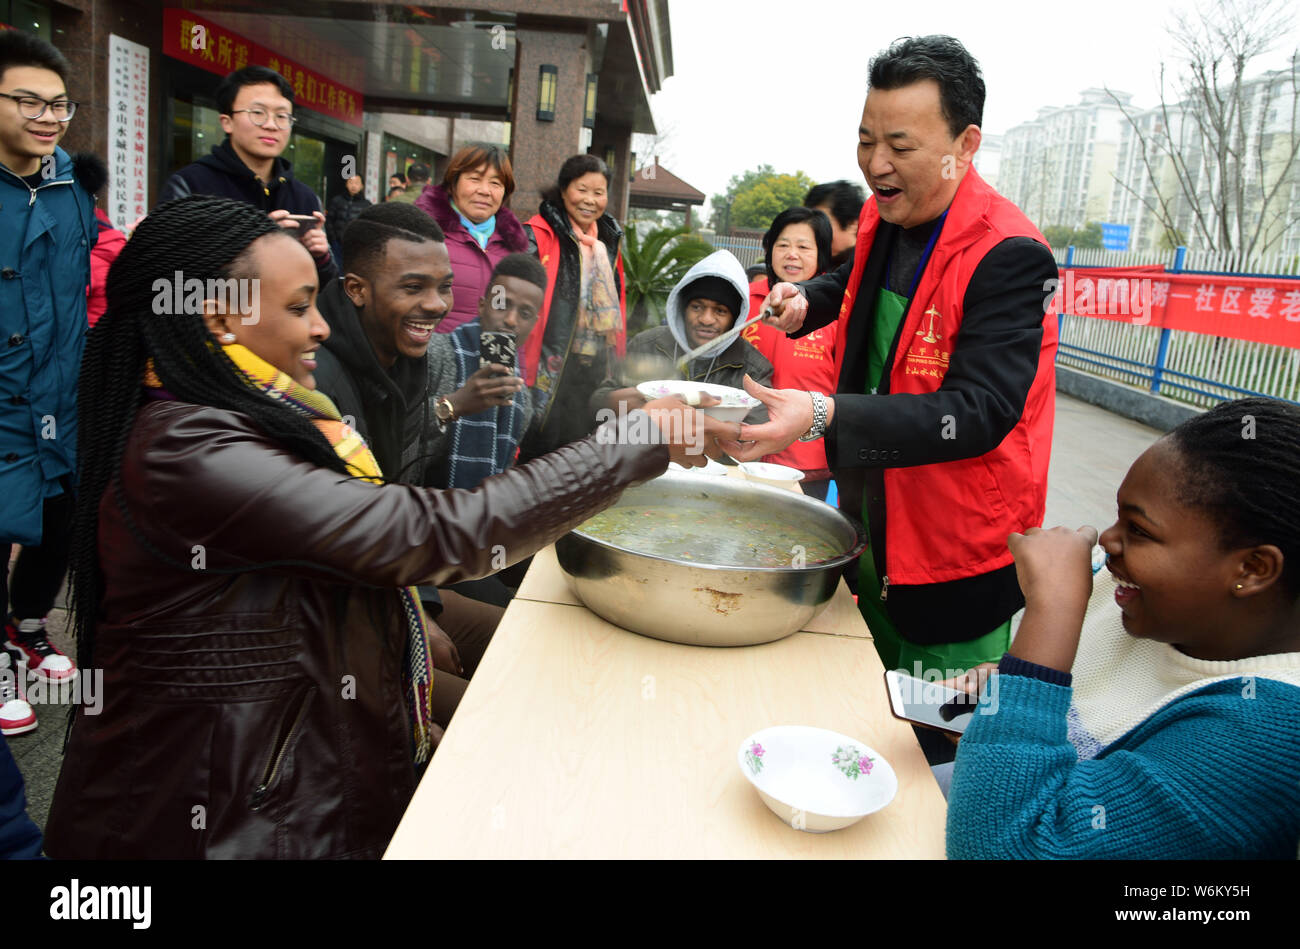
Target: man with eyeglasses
47	229
256	106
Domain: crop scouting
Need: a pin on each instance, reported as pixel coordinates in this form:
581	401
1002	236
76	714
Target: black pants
40	570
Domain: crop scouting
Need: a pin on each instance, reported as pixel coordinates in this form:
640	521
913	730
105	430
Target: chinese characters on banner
1261	309
128	131
200	42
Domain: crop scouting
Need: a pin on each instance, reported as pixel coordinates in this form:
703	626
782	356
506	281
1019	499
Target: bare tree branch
1233	175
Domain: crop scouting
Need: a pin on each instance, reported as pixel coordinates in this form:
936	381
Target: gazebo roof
657	188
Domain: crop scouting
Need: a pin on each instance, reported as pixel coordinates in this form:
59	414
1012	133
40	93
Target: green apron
895	651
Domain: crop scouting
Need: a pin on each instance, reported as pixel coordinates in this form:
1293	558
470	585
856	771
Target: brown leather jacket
260	714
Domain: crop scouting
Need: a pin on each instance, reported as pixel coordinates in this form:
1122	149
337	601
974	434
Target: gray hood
721	263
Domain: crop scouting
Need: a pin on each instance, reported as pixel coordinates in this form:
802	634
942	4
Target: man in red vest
940	427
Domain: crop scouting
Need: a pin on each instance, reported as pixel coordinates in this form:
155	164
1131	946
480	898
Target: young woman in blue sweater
1164	723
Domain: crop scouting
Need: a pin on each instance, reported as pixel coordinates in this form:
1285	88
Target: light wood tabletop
577	738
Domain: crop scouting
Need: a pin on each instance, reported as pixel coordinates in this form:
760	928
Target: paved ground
1091	452
1092	449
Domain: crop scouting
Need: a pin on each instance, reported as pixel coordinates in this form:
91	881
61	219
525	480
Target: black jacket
1000	338
223	174
342	212
563	417
387	406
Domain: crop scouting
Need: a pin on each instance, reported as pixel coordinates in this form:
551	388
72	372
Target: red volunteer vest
950	520
806	363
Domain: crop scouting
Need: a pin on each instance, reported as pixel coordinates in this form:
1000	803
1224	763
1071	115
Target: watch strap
818	428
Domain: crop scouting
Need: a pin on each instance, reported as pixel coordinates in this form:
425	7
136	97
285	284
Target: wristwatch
444	411
818	428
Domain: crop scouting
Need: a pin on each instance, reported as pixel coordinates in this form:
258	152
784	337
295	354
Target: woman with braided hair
243	573
1159	722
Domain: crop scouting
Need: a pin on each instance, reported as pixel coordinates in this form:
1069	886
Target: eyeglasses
33	107
283	120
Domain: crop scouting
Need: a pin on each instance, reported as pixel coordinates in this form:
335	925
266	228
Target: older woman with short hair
469	205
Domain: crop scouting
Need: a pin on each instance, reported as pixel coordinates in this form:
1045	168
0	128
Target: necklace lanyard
925	257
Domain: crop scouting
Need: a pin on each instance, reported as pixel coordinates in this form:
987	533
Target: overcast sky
782	82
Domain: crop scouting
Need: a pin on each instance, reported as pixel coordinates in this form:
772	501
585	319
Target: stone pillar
607	135
83	40
538	149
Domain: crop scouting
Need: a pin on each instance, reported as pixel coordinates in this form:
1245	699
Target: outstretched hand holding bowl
691	436
790	414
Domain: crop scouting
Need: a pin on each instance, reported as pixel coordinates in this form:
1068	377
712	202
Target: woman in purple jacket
480	232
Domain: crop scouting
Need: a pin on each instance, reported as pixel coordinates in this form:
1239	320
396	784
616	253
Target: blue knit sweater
1214	774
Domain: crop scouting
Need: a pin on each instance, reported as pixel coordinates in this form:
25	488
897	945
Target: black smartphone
305	221
496	349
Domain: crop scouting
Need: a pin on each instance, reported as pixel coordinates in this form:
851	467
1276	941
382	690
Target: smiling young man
396	286
256	106
941	425
47	229
706	303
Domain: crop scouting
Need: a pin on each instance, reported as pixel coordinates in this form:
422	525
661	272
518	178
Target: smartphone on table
929	703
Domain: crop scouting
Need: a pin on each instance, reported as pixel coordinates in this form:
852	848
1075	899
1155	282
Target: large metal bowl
705	604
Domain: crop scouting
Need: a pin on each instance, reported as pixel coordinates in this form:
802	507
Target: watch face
442	408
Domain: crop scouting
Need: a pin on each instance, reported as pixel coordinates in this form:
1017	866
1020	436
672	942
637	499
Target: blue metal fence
1189	367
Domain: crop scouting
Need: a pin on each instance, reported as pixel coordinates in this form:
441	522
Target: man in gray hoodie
705	304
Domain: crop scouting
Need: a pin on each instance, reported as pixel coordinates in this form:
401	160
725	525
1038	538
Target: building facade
1059	168
1261	156
1090	162
376	85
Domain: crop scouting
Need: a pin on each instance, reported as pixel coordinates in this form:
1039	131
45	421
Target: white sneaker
16	716
26	642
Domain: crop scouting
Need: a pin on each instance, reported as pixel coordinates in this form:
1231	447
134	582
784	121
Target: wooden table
577	738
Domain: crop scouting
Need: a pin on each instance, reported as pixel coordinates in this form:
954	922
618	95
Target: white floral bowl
816	780
736	403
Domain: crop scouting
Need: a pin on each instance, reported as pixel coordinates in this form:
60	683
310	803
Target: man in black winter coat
382	314
256	106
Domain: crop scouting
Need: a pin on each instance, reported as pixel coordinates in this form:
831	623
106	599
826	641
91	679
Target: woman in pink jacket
480	231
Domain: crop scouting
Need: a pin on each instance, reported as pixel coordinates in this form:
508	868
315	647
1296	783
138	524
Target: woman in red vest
583	326
797	247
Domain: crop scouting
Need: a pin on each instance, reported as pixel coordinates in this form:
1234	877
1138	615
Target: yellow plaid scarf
349	446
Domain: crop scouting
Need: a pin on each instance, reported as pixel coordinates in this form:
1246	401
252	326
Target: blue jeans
20	838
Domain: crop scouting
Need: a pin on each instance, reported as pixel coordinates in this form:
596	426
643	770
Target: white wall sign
374	146
128	131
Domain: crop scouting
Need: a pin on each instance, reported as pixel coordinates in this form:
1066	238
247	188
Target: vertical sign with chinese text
128	131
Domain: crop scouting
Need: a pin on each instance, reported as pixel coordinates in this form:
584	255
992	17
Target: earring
227	337
1238	586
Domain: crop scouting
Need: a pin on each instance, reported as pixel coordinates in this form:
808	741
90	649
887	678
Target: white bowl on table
778	475
816	780
735	403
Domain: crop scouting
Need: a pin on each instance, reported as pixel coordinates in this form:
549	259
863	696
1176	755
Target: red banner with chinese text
1261	309
200	42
